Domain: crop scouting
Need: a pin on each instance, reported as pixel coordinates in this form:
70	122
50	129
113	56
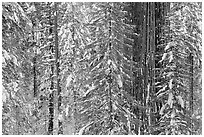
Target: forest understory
101	68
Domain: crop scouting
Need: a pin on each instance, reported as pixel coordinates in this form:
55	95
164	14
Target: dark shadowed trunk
34	65
51	95
60	127
191	89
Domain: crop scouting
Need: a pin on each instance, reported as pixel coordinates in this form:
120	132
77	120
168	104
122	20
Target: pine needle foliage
106	100
182	36
105	73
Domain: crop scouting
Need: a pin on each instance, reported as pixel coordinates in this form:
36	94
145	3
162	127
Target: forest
101	68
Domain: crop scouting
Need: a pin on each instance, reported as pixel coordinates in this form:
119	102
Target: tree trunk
151	87
51	95
145	67
60	127
34	65
110	73
191	90
34	76
17	120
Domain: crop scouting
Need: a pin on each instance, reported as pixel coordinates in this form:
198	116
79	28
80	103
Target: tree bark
145	67
152	65
34	64
17	120
51	95
60	127
110	73
191	90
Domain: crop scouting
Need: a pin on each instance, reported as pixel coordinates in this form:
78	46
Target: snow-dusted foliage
80	68
182	36
105	103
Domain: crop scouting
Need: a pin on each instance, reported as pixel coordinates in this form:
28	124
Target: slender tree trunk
17	120
51	95
151	65
75	111
34	65
60	116
110	73
34	35
143	61
34	76
148	68
191	90
145	68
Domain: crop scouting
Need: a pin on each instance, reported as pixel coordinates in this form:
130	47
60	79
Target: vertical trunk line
141	128
34	63
149	87
17	119
191	90
110	74
146	75
151	64
34	76
51	95
153	58
60	128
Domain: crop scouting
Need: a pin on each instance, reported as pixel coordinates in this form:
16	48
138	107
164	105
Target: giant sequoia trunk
147	65
149	17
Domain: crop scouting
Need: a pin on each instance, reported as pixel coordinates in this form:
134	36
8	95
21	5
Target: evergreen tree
107	100
182	38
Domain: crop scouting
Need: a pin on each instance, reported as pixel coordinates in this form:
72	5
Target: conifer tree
180	41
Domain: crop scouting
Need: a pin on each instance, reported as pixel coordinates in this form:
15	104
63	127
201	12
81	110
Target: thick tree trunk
145	54
137	18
